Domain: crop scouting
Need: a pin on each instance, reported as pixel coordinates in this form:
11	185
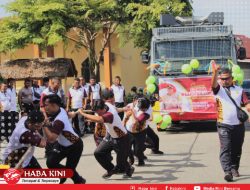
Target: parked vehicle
189	97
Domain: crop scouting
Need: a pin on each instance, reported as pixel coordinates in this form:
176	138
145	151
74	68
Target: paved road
191	156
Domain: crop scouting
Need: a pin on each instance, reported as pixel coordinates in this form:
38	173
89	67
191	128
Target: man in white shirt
136	122
95	95
58	130
54	88
76	97
231	130
119	92
85	86
12	91
94	90
45	84
6	126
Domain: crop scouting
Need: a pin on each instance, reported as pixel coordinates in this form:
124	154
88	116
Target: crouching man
25	138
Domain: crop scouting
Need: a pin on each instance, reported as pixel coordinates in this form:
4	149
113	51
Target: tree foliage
145	16
46	22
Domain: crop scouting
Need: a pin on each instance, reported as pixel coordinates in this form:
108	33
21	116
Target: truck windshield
171	55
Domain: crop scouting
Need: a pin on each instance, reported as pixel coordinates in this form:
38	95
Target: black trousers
231	141
120	146
8	122
27	107
49	148
154	138
120	105
33	164
97	140
36	104
138	143
72	154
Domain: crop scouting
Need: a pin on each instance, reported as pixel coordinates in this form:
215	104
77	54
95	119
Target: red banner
131	187
189	98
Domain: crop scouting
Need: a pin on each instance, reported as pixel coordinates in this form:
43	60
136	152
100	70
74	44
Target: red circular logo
12	176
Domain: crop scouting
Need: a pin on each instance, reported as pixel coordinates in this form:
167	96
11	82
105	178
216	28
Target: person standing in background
5	116
12	91
95	95
87	102
25	96
134	91
119	93
37	91
94	90
45	84
85	86
53	88
76	97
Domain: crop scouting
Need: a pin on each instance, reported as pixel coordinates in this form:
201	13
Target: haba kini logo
12	176
35	176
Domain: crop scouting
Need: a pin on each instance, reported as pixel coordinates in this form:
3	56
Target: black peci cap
36	116
143	103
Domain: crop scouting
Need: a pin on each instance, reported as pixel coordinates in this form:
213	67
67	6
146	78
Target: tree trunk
93	65
98	72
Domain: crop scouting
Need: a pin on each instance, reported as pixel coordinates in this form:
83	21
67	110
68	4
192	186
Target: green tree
46	22
145	15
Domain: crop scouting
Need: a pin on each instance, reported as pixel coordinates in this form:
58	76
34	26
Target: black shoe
81	180
117	170
130	172
228	177
235	173
156	152
145	157
141	163
108	174
147	145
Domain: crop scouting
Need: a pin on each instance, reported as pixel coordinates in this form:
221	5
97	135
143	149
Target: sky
236	12
2	11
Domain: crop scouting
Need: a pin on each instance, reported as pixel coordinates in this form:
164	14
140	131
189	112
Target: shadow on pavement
169	174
